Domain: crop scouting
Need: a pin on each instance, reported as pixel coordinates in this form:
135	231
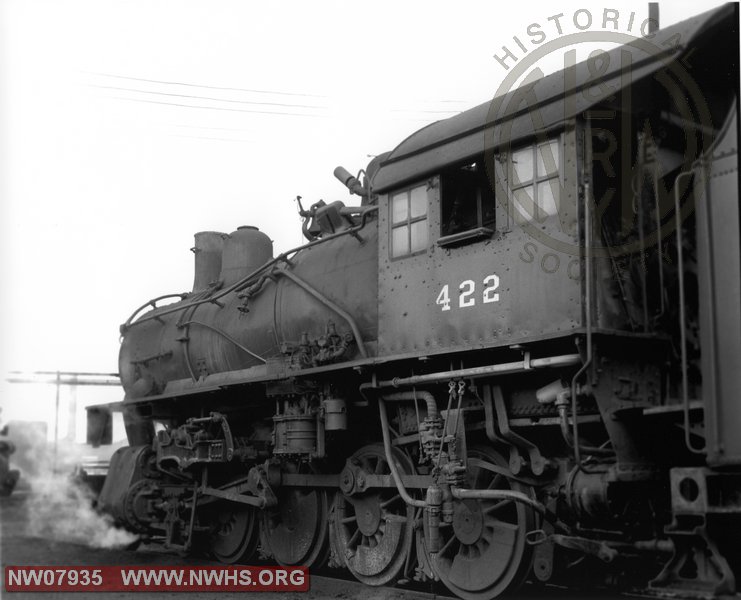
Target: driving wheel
296	530
483	553
373	531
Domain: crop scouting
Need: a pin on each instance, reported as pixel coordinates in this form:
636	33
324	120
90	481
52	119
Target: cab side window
468	208
408	221
534	181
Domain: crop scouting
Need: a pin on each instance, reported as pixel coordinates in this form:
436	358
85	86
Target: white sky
102	188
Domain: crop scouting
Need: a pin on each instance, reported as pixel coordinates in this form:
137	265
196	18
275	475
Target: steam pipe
565	360
459	493
566	433
327	302
464	494
390	459
432	412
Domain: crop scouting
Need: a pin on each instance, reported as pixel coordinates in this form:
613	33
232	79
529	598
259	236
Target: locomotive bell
245	250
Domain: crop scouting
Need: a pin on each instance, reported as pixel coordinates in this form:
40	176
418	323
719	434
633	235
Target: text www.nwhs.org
118	578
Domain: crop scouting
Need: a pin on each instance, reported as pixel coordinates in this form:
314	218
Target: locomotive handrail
587	312
682	313
588	284
226	336
151	304
247	278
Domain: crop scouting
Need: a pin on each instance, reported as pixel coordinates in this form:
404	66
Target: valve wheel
372	532
484	553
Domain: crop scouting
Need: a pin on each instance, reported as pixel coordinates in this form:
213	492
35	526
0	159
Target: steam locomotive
515	357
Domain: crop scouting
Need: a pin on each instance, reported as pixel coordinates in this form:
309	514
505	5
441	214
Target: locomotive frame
409	396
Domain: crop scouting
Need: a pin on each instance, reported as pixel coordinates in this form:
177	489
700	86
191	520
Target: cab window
467	207
534	181
408	219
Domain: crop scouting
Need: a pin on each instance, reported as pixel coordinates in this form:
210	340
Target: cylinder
587	494
208	248
295	434
245	250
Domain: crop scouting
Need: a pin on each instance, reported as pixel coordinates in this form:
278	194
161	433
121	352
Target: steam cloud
60	506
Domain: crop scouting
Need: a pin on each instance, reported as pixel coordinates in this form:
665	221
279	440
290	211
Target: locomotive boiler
514	357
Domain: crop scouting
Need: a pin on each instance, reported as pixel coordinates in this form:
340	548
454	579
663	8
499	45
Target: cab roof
557	97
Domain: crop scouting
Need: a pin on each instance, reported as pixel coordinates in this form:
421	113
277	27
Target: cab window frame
467	188
516	189
405	219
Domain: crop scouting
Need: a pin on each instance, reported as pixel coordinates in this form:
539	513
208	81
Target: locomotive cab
458	265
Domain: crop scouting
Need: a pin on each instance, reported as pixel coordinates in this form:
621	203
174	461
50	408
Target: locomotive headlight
350	181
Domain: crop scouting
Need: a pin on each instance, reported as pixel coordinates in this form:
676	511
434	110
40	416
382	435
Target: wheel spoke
392	518
354	538
448	545
477	478
495	524
495	481
391	500
497	506
347	520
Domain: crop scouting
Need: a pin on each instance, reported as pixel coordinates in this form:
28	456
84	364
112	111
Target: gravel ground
18	547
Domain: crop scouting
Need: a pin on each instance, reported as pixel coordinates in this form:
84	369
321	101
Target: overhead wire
421	110
210	87
124	89
219	139
410	112
222	108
